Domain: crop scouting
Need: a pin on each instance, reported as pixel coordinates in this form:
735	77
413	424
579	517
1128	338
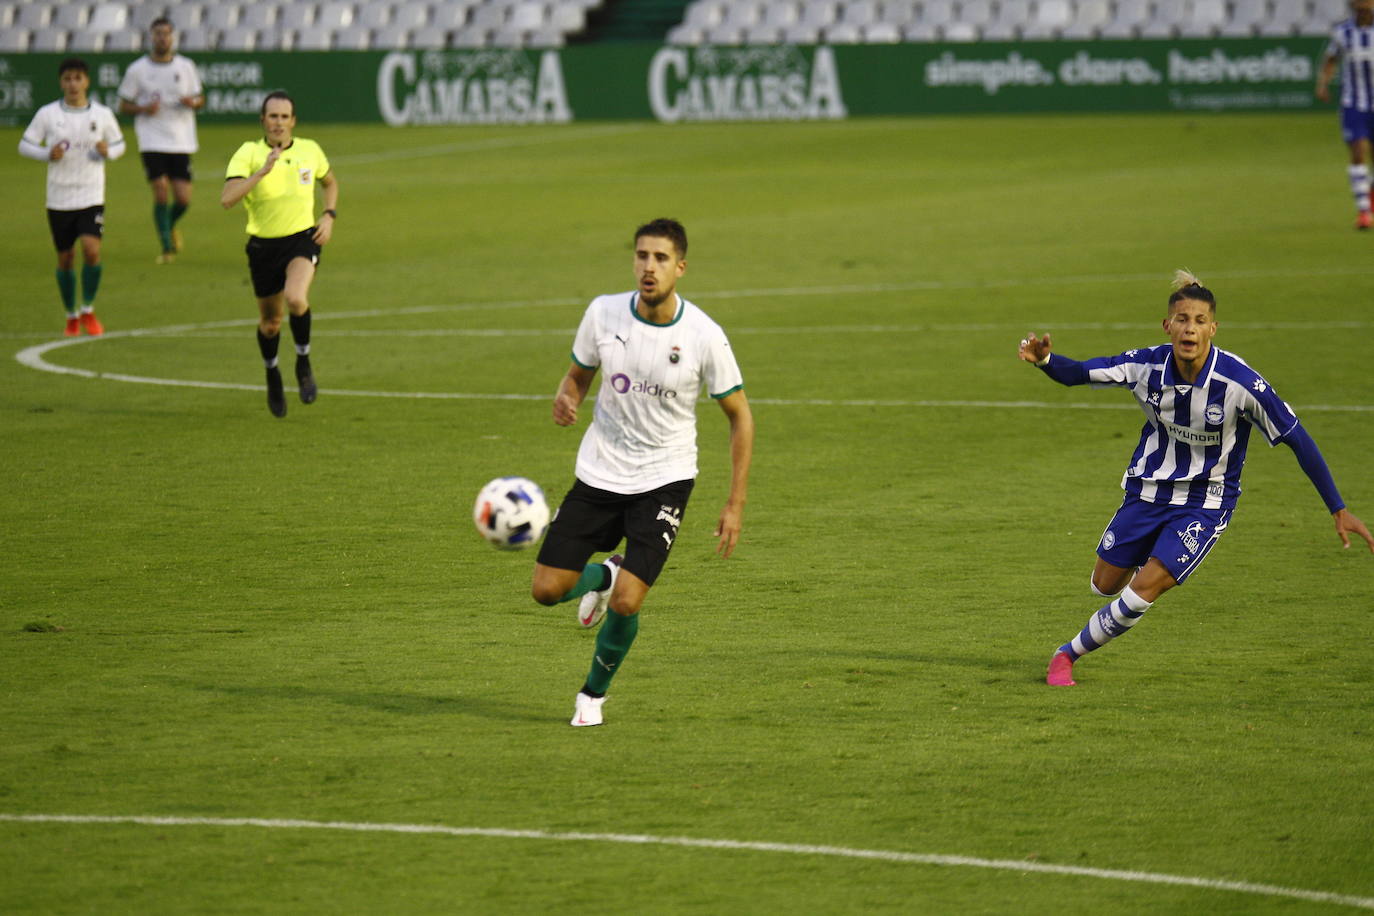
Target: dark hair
1187	286
72	63
669	229
161	20
277	94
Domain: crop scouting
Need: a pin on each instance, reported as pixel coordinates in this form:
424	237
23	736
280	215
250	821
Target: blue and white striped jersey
1355	48
1192	446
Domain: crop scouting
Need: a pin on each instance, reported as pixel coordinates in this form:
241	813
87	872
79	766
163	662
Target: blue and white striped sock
1359	186
1111	620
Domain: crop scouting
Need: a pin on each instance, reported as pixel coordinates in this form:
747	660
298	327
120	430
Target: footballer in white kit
637	464
163	91
75	136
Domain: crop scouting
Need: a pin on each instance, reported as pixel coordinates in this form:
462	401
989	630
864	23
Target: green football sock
66	285
613	642
90	282
178	210
595	577
162	219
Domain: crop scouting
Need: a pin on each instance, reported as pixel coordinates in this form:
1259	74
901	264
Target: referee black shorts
595	521
68	225
176	166
267	259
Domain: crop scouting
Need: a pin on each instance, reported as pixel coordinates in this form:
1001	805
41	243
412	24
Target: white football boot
587	710
593	605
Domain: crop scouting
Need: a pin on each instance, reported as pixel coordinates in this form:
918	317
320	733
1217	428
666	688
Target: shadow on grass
485	707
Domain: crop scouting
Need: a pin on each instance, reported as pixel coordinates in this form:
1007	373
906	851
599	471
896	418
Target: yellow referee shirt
283	203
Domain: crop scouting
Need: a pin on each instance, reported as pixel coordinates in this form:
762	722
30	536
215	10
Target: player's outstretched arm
1034	349
572	390
736	407
1347	523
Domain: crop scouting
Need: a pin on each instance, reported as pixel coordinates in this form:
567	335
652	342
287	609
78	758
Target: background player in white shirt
1352	45
163	91
1200	404
637	463
75	136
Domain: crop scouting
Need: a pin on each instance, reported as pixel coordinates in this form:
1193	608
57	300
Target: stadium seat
843	33
724	34
1013	13
882	33
391	38
123	42
683	35
961	31
762	33
71	16
238	38
48	40
859	12
33	16
8	10
802	34
1089	17
897	12
428	39
1203	19
780	13
741	15
372	14
468	37
703	14
108	17
223	17
526	17
196	38
313	38
291	16
14	40
334	15
977	13
818	14
489	16
1127	19
410	14
259	16
547	37
449	15
85	40
568	18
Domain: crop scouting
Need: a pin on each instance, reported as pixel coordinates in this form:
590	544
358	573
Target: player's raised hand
1033	349
58	150
1346	522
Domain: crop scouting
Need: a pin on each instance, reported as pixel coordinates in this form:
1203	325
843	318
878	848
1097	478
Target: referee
275	177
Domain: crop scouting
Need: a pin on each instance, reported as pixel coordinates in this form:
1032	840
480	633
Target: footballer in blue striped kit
1352	48
1201	404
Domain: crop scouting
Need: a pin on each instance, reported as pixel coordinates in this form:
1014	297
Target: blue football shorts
1357	125
1178	536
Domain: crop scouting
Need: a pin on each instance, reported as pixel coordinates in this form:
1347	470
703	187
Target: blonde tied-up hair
1188	286
1184	278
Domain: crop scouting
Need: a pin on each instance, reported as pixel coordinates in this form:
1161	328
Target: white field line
910	858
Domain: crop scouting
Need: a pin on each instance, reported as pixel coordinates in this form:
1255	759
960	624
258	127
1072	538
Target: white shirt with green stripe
643	433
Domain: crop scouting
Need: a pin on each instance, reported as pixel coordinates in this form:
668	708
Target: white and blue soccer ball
511	513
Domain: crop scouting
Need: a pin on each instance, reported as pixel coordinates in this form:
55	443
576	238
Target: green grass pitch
209	613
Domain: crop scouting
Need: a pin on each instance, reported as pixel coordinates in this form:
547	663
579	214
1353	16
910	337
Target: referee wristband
332	213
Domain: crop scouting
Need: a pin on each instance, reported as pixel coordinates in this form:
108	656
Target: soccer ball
511	513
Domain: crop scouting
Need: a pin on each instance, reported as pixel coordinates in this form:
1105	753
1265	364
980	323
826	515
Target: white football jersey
77	180
173	128
643	433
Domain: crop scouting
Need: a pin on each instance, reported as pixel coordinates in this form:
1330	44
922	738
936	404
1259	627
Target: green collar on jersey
634	310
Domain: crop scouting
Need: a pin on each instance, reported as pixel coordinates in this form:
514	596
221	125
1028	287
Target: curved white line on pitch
35	358
911	858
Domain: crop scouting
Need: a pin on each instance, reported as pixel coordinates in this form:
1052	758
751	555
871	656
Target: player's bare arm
572	391
236	189
324	229
1034	349
736	407
1347	523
